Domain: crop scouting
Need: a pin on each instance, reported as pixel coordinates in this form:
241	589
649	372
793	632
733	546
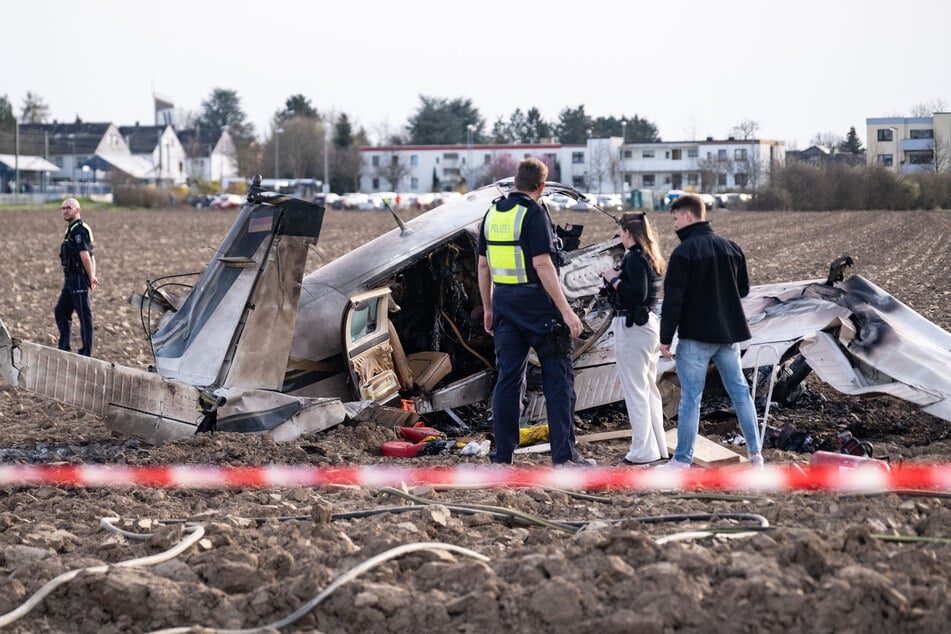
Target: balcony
915	145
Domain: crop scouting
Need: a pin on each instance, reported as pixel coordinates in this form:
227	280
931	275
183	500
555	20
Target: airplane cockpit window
363	320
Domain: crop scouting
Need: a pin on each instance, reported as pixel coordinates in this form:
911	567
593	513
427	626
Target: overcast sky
693	68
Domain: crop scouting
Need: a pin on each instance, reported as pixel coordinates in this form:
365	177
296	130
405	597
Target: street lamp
85	179
72	162
469	129
621	151
326	186
277	146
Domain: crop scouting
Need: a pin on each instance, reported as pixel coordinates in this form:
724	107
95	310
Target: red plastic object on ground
402	449
417	434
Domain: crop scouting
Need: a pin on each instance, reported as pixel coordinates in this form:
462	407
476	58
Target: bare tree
745	129
602	164
827	139
941	153
711	169
928	108
34	109
392	169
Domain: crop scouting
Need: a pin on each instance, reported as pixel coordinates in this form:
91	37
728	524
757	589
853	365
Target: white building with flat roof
602	165
910	144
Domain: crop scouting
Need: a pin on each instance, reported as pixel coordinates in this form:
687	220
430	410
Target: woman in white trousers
636	283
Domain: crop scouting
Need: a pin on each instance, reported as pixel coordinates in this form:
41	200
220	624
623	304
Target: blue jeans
693	359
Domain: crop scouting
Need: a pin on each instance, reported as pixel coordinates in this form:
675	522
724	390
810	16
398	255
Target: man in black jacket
706	277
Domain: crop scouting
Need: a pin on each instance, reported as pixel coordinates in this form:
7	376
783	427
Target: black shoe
624	462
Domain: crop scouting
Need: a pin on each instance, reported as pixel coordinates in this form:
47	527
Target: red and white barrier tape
867	478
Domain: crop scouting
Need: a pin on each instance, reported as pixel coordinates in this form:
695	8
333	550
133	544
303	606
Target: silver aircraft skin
256	346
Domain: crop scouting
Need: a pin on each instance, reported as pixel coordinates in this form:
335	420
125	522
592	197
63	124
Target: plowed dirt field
824	564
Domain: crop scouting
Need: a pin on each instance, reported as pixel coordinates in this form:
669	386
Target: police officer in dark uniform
79	268
525	307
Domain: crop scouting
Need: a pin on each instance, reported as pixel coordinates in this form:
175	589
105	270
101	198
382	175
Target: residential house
822	154
910	144
28	172
158	144
208	156
84	152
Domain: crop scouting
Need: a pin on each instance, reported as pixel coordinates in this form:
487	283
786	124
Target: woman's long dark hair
640	229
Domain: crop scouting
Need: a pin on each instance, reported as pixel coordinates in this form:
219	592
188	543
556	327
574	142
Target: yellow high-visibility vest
506	258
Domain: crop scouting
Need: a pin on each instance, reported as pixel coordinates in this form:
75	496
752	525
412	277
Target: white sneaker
673	465
756	460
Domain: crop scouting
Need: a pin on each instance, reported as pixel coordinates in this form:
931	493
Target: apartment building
601	165
910	144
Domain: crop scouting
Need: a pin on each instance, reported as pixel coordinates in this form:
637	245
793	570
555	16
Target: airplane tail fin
235	327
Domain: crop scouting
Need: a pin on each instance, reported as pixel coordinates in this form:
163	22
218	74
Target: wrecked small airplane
256	346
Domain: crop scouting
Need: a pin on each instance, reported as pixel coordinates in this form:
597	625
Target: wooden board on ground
706	453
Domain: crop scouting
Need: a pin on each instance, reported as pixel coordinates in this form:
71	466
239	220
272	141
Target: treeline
799	186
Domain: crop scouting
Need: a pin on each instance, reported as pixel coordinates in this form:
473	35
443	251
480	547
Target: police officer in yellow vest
525	307
79	270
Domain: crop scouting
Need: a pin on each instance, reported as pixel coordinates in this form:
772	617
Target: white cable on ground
348	576
197	532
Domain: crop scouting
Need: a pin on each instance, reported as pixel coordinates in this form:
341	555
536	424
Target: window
375	161
721	180
486	159
885	135
692	179
667	154
921	158
628	154
921	134
675	155
413	160
739	155
648	153
886	160
721	155
577	158
577	182
740	179
693	152
376	183
667	180
648	180
414	183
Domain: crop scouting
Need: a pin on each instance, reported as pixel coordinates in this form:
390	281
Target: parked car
354	200
610	202
558	201
584	204
732	200
327	200
227	201
708	200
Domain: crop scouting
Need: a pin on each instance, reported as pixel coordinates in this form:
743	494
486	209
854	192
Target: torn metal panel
858	339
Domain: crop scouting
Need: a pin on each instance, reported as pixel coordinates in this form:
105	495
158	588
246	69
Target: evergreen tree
7	120
441	121
573	125
852	142
296	106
